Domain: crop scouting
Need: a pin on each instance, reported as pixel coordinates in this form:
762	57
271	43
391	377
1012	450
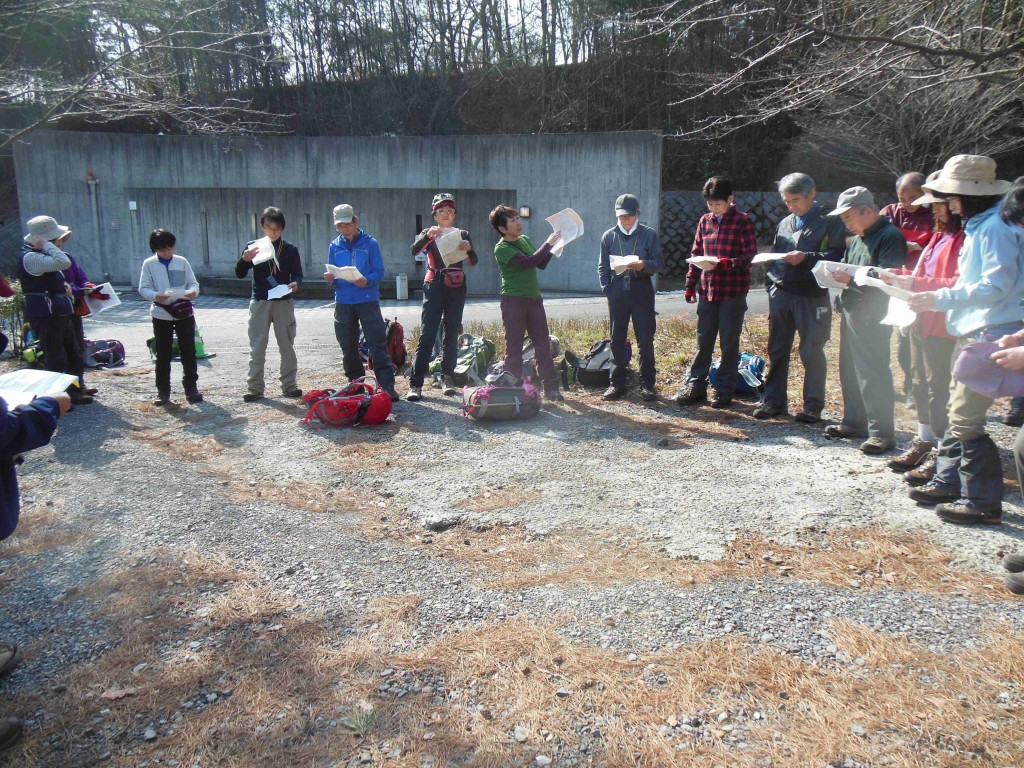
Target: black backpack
595	368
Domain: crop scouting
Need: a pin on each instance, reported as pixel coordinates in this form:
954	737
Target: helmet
442	199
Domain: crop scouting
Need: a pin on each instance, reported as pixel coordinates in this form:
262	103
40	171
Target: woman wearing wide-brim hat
983	304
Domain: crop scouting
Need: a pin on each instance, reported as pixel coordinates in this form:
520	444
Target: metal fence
681	210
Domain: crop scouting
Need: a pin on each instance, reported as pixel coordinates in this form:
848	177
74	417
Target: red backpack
362	401
394	341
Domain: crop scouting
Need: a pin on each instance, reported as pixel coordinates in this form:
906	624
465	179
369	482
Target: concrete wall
209	192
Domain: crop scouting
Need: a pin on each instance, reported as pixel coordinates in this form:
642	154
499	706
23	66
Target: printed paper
704	262
266	250
448	246
569	223
279	292
21	386
97	305
761	258
351	274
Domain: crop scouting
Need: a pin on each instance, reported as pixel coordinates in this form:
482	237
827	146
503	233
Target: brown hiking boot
923	472
915	454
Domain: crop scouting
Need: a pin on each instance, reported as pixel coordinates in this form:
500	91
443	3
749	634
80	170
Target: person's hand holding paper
568	225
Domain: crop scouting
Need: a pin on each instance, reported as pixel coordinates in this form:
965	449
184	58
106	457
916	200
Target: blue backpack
750	380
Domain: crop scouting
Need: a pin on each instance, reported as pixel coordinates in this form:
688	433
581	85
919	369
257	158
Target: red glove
725	263
96	293
691	297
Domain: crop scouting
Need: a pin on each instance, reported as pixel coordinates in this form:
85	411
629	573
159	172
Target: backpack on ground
529	360
361	401
595	369
501	400
104	353
33	354
751	374
475	354
394	342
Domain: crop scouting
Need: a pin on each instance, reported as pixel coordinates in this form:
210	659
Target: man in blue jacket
357	302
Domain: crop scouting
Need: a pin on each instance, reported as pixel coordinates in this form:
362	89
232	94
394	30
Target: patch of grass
41	527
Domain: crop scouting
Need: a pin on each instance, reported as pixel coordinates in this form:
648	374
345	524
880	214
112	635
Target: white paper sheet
569	223
278	292
704	262
96	305
266	248
174	294
621	263
448	246
824	270
761	258
900	314
352	274
864	279
19	387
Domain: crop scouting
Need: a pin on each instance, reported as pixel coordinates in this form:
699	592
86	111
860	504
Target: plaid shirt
732	238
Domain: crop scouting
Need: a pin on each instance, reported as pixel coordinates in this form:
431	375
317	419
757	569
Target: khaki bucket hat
928	198
973	175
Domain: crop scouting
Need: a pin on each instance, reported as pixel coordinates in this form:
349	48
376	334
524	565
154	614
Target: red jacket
946	273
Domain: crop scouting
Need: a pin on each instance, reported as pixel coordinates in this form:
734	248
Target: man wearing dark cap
629	286
864	372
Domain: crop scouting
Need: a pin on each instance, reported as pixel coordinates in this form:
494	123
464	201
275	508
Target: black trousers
62	352
165	331
632	300
721	320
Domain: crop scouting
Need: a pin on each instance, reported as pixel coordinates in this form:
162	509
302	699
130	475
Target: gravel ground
130	480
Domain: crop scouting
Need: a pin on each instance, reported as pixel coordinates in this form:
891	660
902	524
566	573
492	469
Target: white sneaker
414	394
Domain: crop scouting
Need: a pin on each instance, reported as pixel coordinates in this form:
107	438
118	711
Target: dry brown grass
41	527
299	494
490	499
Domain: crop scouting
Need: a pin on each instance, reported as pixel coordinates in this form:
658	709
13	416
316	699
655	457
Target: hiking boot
721	401
647	394
10	655
162	398
916	454
252	397
414	394
934	493
552	392
82	399
193	395
967	512
690	394
448	386
842	431
292	391
10	733
614	393
924	471
90	390
1015	582
768	411
806	417
392	394
876	446
1012	563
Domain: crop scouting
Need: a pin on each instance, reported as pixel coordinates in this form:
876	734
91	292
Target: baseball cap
626	205
851	198
343	213
442	199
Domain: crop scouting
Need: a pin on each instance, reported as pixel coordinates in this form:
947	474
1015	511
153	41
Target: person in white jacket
168	281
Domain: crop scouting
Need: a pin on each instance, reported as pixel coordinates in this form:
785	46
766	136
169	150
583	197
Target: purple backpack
501	401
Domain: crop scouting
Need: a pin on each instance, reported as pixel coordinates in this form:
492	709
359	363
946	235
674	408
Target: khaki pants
262	315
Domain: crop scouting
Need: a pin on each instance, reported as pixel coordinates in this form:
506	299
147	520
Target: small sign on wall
113	224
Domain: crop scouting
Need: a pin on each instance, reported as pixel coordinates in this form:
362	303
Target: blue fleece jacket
31	426
363	254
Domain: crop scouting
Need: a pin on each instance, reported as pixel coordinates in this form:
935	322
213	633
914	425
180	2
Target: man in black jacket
796	303
270	278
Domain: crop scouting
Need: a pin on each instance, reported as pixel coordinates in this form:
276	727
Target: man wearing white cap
357	302
864	372
49	302
983	305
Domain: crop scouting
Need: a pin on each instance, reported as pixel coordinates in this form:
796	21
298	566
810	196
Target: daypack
201	353
595	369
475	354
529	360
33	354
104	353
361	401
751	374
501	400
394	342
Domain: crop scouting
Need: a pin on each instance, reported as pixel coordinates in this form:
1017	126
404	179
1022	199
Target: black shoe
554	394
967	512
768	411
252	397
1013	563
647	394
1015	418
842	431
1015	583
292	392
193	395
690	394
90	391
934	493
614	393
82	400
162	398
392	394
721	401
923	473
806	417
